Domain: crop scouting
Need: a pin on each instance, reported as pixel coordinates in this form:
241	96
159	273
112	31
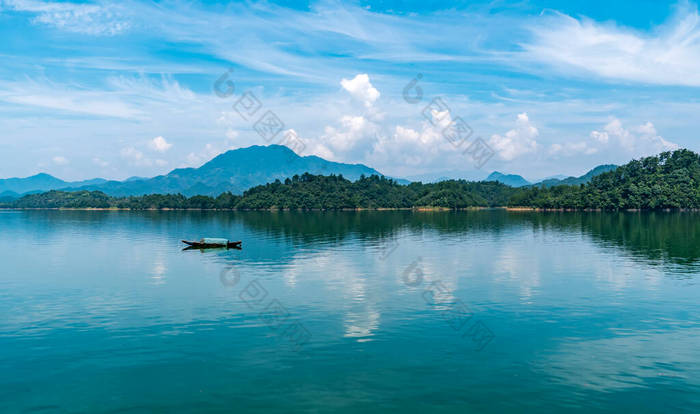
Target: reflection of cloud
158	272
361	324
519	265
339	272
622	362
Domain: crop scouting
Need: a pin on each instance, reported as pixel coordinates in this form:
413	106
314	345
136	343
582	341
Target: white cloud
572	148
516	142
100	162
352	139
91	19
74	101
669	55
642	140
135	157
205	154
232	135
159	144
60	160
361	89
423	147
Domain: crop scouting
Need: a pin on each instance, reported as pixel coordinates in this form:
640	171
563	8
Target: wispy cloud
103	19
534	85
670	55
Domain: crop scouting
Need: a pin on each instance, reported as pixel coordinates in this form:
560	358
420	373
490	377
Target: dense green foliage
299	192
670	180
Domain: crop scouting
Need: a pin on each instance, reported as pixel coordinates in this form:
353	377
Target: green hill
670	180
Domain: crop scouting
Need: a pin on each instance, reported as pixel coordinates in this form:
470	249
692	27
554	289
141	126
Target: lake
472	312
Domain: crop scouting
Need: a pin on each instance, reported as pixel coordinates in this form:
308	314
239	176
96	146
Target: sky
132	88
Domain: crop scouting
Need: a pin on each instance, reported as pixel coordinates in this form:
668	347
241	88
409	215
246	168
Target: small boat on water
207	243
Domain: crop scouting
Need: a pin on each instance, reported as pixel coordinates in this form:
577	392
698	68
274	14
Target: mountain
234	171
557	176
41	182
670	180
436	177
7	196
240	169
512	180
578	180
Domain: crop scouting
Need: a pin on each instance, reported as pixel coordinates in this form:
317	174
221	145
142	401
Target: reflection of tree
673	236
338	225
651	235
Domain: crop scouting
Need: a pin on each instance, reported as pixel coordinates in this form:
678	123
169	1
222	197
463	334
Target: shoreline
415	209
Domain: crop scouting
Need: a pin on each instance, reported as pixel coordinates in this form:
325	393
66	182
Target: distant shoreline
415	209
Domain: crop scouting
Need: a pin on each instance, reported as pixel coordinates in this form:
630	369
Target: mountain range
578	180
515	180
236	171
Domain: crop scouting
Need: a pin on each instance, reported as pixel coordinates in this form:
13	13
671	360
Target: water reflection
588	310
658	237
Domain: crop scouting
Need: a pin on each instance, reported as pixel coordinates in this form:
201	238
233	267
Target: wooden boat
207	243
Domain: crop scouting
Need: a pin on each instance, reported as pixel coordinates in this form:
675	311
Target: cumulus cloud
641	140
352	131
421	147
638	141
406	145
361	89
60	160
516	142
159	144
669	55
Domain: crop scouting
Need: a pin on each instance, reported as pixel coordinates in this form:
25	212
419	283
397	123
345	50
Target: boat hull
203	245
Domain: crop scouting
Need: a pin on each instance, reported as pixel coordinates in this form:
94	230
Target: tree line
670	180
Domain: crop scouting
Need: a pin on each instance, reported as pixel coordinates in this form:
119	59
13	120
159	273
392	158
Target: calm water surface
472	312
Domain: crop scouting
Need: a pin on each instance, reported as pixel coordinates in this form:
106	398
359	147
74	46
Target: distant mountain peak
235	170
578	180
512	180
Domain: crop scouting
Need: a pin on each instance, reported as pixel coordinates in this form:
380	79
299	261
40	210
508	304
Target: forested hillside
670	180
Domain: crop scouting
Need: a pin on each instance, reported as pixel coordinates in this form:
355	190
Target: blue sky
116	89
